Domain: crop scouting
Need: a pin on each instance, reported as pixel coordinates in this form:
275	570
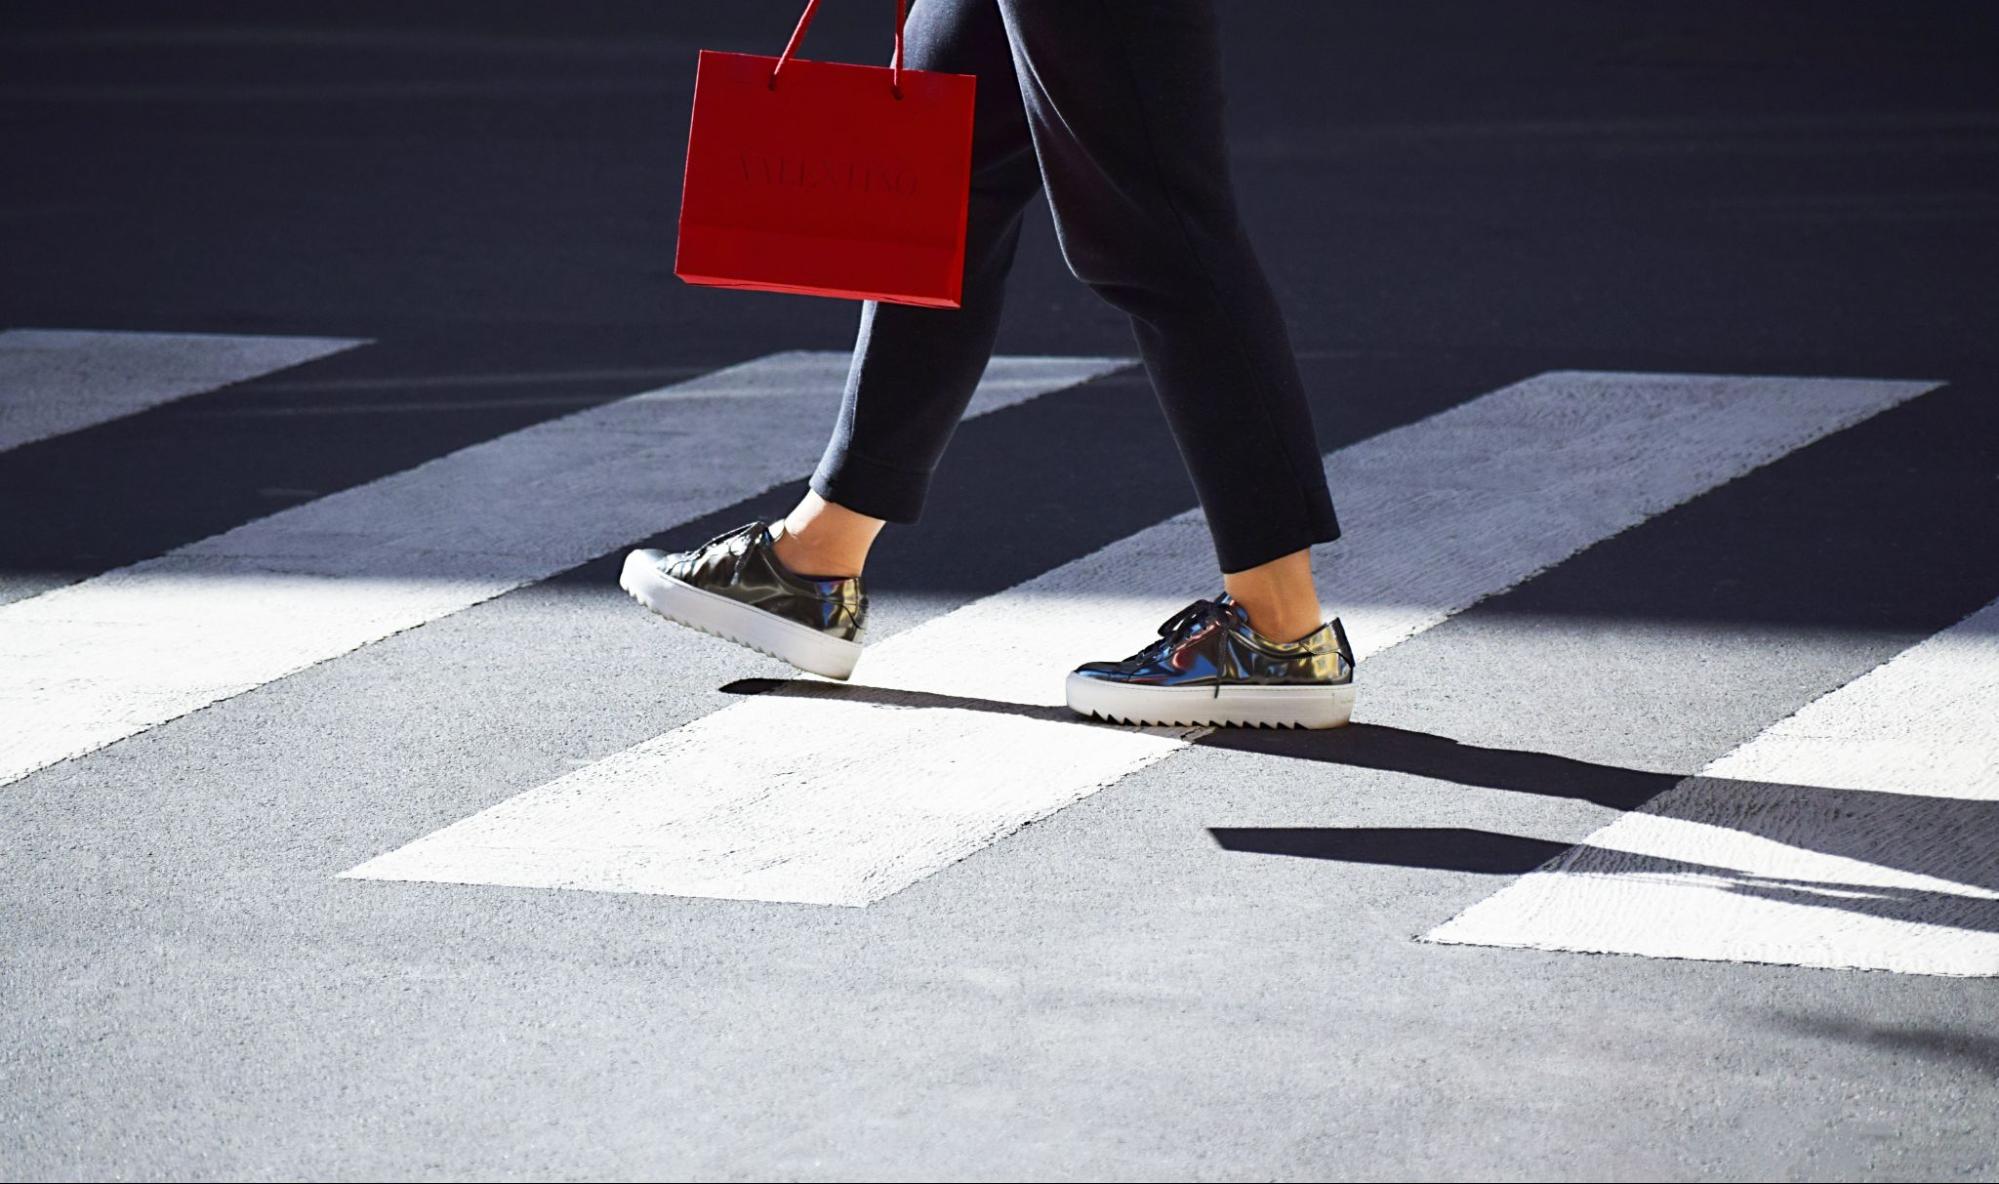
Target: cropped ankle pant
1114	108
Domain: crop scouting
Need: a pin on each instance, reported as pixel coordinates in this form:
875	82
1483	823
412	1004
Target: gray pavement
1205	971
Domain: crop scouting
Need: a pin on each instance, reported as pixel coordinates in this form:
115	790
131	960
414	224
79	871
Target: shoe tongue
1230	610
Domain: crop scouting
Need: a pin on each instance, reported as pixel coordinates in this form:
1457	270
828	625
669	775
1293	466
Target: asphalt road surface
356	825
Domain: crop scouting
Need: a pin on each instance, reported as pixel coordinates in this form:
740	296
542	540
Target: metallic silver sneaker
1210	667
734	587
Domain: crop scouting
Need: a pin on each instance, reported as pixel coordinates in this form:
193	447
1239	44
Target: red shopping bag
827	178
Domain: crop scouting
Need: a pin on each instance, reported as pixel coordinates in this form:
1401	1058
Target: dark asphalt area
1448	197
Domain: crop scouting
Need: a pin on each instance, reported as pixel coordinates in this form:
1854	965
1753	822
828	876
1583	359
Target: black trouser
1115	107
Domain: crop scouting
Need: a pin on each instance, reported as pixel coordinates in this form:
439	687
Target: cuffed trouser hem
1245	545
867	487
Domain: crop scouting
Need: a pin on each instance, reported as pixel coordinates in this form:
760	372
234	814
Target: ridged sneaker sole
1246	706
732	620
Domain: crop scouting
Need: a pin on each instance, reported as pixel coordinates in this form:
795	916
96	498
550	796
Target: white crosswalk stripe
54	381
1846	835
1856	833
956	740
89	664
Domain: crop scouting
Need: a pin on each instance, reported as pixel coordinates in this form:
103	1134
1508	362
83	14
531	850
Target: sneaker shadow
1947	839
1462	849
1360	745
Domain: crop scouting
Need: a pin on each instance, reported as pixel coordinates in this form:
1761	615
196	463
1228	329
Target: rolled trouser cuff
1258	539
870	487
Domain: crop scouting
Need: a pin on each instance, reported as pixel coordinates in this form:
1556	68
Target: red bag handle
798	35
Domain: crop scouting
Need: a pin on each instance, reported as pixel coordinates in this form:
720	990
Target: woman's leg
914	369
1124	102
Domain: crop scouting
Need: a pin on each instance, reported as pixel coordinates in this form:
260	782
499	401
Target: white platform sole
1260	707
788	641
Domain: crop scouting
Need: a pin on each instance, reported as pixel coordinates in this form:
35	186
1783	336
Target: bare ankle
1281	625
800	556
821	538
1279	596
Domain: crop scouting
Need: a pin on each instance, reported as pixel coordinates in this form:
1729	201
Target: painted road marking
842	795
1856	833
54	381
88	664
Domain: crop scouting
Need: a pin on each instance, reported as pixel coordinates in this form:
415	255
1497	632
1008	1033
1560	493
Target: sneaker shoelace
1181	624
735	543
1196	615
734	532
1188	619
